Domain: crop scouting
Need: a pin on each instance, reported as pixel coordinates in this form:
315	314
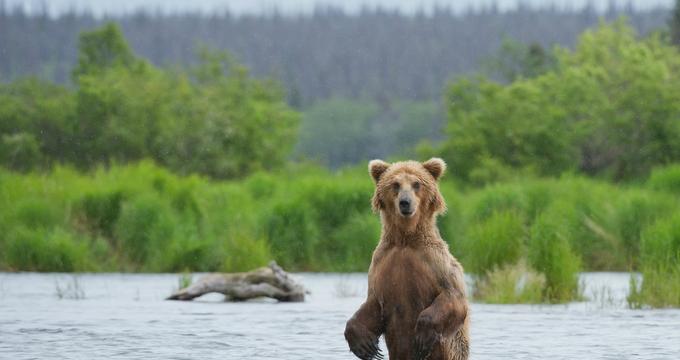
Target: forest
562	158
369	69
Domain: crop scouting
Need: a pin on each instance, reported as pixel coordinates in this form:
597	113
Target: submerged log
270	281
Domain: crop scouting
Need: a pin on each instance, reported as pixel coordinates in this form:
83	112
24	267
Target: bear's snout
405	206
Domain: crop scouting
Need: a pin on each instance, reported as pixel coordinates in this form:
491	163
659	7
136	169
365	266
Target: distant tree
328	53
214	119
609	108
103	48
516	60
20	151
674	24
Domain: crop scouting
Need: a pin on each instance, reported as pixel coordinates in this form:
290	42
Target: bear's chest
404	283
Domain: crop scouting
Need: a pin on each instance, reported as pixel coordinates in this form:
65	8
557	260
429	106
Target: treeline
212	118
609	108
376	54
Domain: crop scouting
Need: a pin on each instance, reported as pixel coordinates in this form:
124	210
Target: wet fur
416	291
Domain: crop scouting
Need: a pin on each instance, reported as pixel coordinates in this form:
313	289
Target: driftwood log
270	281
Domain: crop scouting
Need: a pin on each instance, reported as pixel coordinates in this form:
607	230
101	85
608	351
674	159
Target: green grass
494	242
660	266
141	217
551	253
511	284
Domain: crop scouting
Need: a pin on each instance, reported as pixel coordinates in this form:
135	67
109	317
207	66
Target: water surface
125	317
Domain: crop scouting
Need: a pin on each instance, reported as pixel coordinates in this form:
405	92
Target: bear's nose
404	205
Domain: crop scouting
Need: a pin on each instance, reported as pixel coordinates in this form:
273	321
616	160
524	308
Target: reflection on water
125	317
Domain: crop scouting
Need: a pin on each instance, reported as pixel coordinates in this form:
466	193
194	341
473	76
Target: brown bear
416	291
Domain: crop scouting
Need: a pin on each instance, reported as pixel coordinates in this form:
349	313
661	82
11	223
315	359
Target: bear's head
407	192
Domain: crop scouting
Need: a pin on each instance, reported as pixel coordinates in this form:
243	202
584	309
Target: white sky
119	7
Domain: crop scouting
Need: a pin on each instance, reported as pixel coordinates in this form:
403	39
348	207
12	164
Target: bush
665	179
145	225
660	265
35	213
42	250
511	284
291	232
99	211
242	252
635	211
551	254
20	151
494	242
351	245
494	199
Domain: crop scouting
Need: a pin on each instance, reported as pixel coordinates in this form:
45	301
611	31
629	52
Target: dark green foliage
292	232
20	151
309	226
212	119
101	49
660	263
37	213
494	242
607	108
141	217
496	198
634	213
550	253
99	211
43	250
665	179
352	244
145	224
516	61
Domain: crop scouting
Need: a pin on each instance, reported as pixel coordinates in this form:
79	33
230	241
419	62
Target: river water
124	316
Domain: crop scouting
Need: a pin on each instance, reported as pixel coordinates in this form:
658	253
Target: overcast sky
118	7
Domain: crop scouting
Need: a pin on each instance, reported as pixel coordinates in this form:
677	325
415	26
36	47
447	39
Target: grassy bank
525	240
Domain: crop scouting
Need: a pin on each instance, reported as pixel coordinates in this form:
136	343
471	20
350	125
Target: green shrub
496	198
243	252
634	212
36	213
43	250
184	202
587	210
351	245
291	232
99	211
145	225
538	195
494	242
660	264
551	254
665	179
261	185
186	254
659	289
334	201
510	284
452	223
20	151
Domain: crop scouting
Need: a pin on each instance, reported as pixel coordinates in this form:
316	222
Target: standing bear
416	291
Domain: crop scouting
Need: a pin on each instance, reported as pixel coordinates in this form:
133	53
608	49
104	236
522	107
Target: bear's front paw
362	342
425	339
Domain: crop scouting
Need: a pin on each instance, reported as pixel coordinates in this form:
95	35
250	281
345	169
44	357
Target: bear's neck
396	232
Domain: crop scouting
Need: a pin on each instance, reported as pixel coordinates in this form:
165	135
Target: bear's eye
395	186
416	185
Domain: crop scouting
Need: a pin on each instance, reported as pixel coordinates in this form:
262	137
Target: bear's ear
376	168
435	167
